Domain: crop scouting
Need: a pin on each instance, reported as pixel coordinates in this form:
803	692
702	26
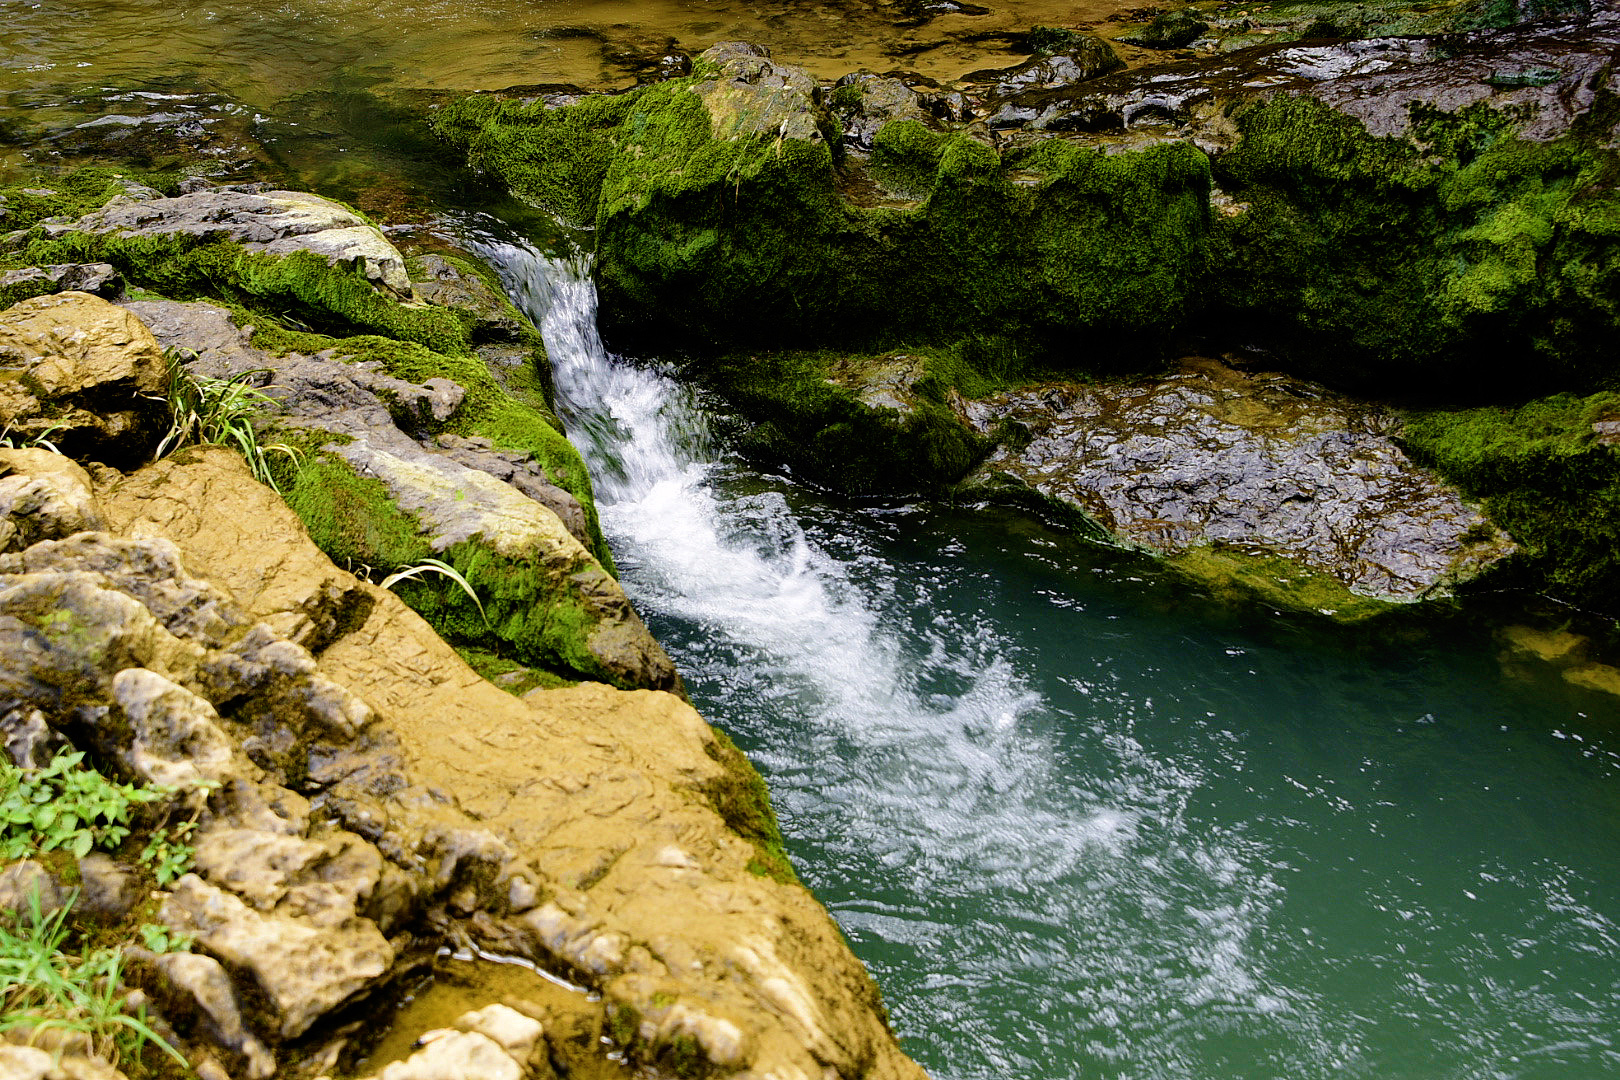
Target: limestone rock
25	881
461	490
43	496
175	739
1262	465
102	279
455	1055
273	222
108	890
83	373
511	1030
755	97
303	970
591	831
26	1063
290	586
208	989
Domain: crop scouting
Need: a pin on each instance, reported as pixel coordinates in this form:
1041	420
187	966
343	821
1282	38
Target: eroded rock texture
1258	464
362	795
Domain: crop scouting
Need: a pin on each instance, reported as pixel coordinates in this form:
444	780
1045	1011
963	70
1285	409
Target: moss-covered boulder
1379	209
1548	471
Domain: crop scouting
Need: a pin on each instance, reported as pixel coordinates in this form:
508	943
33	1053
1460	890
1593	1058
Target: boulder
272	222
749	95
520	539
83	374
449	282
1261	466
102	279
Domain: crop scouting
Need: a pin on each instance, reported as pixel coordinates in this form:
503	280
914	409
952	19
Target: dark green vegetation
1457	264
1353	258
1543	473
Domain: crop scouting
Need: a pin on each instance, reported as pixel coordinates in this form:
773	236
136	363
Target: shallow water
1078	828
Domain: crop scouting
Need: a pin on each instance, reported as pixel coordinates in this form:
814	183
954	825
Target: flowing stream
1076	831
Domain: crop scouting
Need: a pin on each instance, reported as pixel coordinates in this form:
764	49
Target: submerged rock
1255	465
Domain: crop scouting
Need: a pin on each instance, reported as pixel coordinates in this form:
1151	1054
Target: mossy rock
1549	473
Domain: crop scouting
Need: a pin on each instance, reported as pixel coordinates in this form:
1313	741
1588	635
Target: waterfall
912	763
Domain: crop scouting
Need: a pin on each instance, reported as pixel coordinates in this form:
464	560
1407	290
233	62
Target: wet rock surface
1547	75
1263	465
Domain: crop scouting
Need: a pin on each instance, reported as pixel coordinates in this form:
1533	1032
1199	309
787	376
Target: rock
83	373
455	1055
459	491
1170	30
29	741
22	883
755	97
447	282
102	279
1258	464
303	970
206	991
290	586
272	222
43	496
1085	57
515	1033
864	103
539	828
175	737
107	890
26	1063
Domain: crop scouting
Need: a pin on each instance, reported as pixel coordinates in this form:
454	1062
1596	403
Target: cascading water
1076	838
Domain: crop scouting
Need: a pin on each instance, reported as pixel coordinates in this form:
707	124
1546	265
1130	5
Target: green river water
1080	825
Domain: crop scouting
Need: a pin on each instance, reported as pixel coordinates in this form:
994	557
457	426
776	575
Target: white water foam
994	870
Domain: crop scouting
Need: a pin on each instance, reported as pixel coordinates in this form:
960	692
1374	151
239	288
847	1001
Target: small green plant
64	806
220	412
168	853
435	566
9	441
160	939
43	988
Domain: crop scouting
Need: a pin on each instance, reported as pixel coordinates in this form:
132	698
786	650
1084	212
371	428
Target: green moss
513	417
70	194
1243	578
515	678
527	612
1543	475
742	799
338	300
739	242
1464	248
808	412
352	519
